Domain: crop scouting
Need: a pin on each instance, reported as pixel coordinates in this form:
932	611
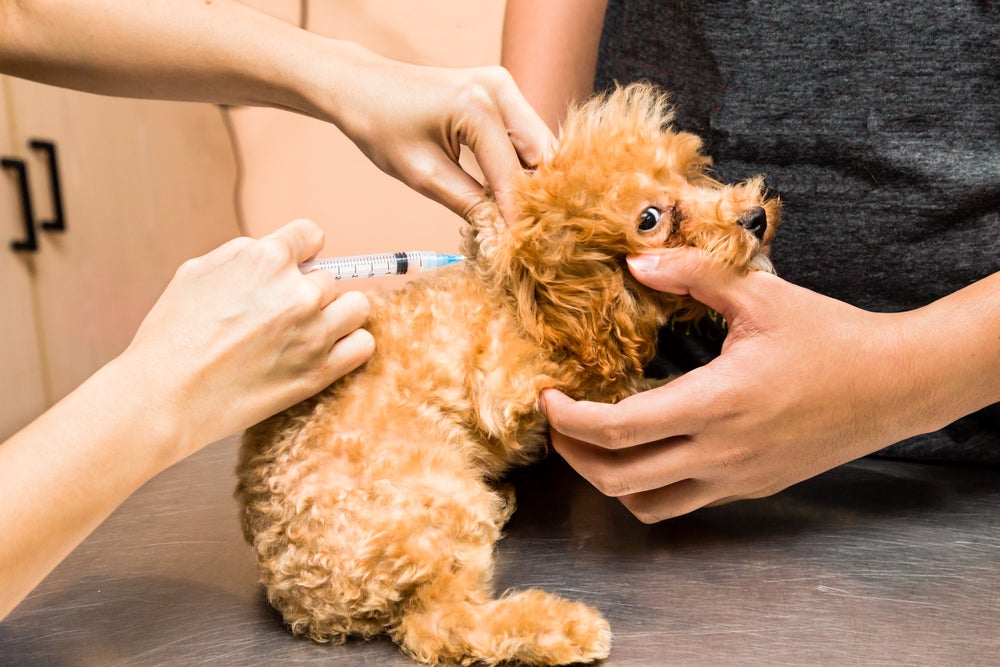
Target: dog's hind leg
453	620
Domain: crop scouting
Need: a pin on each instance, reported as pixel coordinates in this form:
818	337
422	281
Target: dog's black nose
754	221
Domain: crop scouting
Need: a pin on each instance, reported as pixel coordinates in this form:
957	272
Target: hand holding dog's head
620	182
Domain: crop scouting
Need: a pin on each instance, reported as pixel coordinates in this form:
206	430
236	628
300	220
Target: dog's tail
528	627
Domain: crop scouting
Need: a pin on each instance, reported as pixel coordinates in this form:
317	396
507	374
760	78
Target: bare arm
409	120
803	384
550	48
238	335
219	51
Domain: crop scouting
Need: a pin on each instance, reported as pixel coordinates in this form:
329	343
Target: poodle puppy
373	507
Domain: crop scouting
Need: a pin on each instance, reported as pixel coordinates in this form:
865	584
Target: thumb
694	272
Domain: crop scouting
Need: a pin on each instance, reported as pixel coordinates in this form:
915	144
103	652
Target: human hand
803	384
240	334
411	121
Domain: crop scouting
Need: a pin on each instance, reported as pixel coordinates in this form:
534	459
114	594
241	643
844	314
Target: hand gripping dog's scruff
372	507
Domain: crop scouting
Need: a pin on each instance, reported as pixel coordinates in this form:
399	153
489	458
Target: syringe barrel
381	264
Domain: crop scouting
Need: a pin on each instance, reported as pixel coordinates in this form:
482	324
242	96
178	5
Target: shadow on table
154	620
552	500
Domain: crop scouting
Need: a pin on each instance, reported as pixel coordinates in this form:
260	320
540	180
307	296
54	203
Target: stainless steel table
875	563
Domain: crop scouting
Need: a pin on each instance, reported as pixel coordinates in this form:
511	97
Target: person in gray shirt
878	126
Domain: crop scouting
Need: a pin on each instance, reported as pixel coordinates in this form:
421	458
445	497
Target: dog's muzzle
755	222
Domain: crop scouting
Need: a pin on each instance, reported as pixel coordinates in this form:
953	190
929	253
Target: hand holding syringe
381	264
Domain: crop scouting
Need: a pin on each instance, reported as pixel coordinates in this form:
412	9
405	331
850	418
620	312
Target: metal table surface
875	563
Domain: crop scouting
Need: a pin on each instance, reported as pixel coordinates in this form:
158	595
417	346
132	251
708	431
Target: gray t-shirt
878	125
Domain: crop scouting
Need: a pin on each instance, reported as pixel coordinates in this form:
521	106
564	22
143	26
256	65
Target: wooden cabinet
21	384
145	185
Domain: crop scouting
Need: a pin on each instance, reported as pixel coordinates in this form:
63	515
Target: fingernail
541	403
642	263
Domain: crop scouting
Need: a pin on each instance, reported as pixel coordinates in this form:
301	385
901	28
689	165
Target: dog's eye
649	220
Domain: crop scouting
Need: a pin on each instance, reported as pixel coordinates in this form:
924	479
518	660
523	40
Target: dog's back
370	508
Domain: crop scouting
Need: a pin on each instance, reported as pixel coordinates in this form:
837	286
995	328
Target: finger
671	501
348	346
349	353
680	407
629	471
437	177
303	237
716	284
344	315
483	128
506	203
500	164
529	134
330	288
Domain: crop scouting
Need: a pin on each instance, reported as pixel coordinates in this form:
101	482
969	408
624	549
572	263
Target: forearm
67	471
218	51
953	354
550	48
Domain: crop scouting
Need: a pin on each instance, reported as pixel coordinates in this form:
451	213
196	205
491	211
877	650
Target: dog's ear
685	150
573	295
565	280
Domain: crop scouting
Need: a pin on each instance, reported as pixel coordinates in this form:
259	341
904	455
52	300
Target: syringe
381	264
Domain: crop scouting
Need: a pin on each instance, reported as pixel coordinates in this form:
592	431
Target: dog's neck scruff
620	181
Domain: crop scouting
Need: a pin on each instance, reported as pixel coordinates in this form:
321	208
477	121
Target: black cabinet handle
30	241
58	222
